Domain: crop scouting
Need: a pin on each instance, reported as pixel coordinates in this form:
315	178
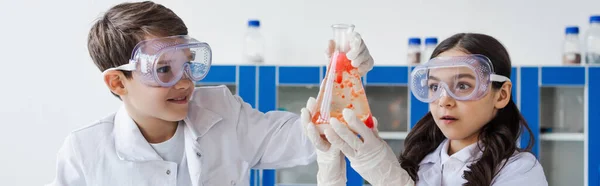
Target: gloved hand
332	166
371	157
358	54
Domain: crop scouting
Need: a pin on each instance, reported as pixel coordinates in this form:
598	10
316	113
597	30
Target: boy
167	132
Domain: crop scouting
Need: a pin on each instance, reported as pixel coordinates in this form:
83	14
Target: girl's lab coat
224	138
437	168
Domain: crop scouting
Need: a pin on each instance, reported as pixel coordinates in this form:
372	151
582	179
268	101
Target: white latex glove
358	54
372	158
330	160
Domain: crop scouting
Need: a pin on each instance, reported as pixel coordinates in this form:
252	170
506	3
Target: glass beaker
342	86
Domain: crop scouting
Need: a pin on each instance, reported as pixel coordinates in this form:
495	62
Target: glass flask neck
341	36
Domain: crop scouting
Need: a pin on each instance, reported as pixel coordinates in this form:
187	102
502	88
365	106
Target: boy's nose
183	83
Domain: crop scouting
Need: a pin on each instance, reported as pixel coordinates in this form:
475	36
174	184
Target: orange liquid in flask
341	88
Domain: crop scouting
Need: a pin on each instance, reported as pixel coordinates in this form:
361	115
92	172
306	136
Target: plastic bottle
592	41
342	86
571	52
430	44
254	43
414	51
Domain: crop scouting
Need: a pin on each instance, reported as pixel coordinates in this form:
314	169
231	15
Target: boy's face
153	102
164	103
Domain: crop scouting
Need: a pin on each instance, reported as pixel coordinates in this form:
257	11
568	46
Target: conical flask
342	86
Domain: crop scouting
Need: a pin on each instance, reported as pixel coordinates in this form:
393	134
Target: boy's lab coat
224	138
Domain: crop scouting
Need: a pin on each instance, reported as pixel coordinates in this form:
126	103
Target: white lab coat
224	138
521	169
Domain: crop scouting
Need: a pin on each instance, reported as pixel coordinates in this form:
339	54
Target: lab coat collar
432	176
130	144
466	154
200	120
444	152
433	157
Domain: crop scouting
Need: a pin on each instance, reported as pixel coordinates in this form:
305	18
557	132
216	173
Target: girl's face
462	120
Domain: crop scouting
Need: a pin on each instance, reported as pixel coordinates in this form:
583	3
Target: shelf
393	135
562	137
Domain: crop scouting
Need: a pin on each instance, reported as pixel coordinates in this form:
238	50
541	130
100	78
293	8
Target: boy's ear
114	80
503	95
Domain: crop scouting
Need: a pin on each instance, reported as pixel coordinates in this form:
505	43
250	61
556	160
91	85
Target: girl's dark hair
498	137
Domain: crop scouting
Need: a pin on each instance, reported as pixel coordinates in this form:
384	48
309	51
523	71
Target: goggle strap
498	78
125	67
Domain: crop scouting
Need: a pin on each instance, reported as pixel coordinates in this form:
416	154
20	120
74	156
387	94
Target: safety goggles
461	77
164	61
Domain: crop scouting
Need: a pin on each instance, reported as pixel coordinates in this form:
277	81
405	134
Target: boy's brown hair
113	37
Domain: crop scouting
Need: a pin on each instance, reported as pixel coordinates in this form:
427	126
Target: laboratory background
50	86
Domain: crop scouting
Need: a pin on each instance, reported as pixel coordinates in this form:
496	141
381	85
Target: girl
468	137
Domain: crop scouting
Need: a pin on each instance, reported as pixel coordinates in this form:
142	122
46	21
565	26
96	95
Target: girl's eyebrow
458	76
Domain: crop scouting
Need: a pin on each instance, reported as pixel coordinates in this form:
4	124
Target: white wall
50	86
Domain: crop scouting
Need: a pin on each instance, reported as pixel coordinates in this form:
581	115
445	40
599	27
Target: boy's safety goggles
164	61
461	77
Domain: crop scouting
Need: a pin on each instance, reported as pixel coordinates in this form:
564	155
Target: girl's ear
503	95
